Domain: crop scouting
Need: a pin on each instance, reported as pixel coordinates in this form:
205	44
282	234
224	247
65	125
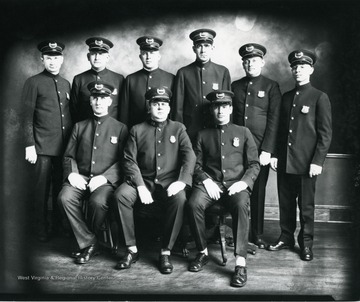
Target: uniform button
56	81
97	134
58	92
204	97
62	115
297	92
98	77
224	182
294	105
149	87
222	144
246	117
61	104
248	93
99	123
203	68
63	127
196	105
222	131
93	162
247	105
95	147
224	171
158	168
223	157
292	117
204	82
159	154
150	77
290	131
159	129
289	144
250	83
159	142
91	175
156	180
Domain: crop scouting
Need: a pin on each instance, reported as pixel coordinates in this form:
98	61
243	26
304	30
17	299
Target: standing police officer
98	57
304	139
226	168
158	165
92	170
193	82
256	106
47	129
133	104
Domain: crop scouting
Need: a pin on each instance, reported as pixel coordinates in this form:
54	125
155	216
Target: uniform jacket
80	95
256	105
133	109
226	154
305	129
96	148
192	84
47	116
158	153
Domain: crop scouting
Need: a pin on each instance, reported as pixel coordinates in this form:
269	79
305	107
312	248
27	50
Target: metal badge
220	95
149	41
160	91
99	42
202	35
52	45
249	48
172	139
115	92
261	94
113	140
305	109
215	86
236	142
299	55
99	86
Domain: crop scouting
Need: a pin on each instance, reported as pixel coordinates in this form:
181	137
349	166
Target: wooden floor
333	274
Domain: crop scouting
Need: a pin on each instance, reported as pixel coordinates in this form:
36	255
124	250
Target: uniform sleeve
188	158
227	80
124	103
199	174
114	174
323	129
28	99
131	168
272	123
69	162
251	162
74	100
178	97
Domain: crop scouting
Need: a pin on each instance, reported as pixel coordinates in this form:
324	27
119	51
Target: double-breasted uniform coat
256	105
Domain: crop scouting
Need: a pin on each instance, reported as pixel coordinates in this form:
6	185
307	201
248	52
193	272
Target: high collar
303	87
50	75
157	124
150	71
253	79
222	126
202	65
101	118
102	72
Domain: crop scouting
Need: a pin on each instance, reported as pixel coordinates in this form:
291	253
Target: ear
88	56
194	49
311	70
262	63
231	109
109	101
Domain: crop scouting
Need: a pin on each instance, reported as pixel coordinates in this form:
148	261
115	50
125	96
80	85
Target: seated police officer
226	168
92	163
158	164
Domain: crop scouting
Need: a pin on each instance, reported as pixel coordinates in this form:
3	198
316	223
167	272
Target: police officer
193	82
98	57
133	104
256	106
92	170
158	165
226	168
304	138
47	128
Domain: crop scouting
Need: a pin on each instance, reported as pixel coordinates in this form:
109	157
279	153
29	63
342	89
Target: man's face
203	51
302	72
159	110
52	63
98	59
100	104
150	59
253	66
222	113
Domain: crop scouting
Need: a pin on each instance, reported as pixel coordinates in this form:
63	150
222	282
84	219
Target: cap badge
113	140
236	142
202	35
299	55
261	94
149	41
99	86
220	95
305	109
249	48
215	86
52	45
99	42
172	139
160	91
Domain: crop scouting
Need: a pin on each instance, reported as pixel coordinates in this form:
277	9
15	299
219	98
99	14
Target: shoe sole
126	267
195	270
94	255
237	285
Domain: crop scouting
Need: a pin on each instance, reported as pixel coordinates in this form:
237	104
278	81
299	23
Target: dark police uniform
133	105
256	106
304	138
156	155
47	127
95	148
192	83
226	154
80	95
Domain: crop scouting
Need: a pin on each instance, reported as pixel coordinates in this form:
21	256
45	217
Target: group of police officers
182	142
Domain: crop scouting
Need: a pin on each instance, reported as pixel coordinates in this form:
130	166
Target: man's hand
145	195
237	187
212	189
274	163
315	170
175	188
77	181
30	154
264	158
96	182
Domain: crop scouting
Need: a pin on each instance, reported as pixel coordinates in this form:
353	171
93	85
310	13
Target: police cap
100	88
149	43
302	56
158	93
51	47
99	44
250	50
220	97
203	35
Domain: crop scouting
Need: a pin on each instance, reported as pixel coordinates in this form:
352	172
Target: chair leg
222	228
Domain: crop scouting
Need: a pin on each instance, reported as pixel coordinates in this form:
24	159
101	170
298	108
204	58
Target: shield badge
305	109
115	92
215	86
67	96
113	140
172	139
261	94
236	142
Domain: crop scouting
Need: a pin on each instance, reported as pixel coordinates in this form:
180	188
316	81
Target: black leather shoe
199	262
280	245
165	264
87	254
307	254
76	254
127	260
261	244
240	276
